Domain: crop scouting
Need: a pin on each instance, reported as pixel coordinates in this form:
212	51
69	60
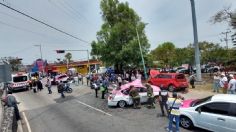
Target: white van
19	81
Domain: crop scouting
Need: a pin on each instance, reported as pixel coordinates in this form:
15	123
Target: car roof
172	73
224	97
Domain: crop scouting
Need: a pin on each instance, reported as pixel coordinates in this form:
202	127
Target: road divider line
93	108
27	122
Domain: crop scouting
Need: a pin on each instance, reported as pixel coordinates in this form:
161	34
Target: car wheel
121	104
171	88
186	123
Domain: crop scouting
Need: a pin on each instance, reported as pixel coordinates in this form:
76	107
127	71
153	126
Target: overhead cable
44	23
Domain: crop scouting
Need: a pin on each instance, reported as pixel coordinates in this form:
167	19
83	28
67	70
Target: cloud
168	20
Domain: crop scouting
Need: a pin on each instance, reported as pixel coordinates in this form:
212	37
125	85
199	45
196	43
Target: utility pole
144	67
197	52
41	55
226	41
226	38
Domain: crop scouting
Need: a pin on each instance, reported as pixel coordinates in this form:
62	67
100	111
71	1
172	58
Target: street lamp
144	67
40	48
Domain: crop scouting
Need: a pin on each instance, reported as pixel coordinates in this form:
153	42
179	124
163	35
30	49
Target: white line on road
93	108
27	122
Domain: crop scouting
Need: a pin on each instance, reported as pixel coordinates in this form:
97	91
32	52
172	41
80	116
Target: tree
226	14
68	56
117	42
15	62
165	52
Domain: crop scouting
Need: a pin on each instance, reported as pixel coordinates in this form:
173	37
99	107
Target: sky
168	20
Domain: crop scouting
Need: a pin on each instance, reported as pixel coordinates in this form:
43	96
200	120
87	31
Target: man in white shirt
231	85
223	83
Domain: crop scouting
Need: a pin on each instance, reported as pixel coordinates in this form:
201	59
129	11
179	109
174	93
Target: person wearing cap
135	97
232	85
174	104
163	97
223	83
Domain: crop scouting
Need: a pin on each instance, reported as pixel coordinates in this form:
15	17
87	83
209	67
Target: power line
65	11
72	8
44	23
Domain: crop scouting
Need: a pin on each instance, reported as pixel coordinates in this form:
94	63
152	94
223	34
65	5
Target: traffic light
60	51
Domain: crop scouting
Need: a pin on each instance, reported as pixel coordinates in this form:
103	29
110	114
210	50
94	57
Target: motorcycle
67	88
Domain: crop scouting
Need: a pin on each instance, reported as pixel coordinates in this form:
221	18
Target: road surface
82	112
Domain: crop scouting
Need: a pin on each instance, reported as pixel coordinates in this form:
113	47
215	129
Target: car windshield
20	79
200	101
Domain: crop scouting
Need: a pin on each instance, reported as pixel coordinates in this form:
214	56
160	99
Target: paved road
82	112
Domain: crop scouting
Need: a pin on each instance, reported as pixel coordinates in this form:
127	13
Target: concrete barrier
8	122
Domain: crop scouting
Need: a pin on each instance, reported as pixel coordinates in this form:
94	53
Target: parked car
171	81
215	113
58	78
120	96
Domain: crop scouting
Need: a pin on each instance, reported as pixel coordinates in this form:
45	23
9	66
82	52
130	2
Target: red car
171	81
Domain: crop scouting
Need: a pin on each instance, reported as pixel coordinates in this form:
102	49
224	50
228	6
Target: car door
213	116
232	118
159	80
143	94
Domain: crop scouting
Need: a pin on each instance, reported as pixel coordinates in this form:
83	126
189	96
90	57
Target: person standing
223	83
119	80
139	75
10	101
174	103
150	96
192	80
216	83
96	87
133	77
61	87
34	85
49	85
163	97
135	97
232	85
87	79
76	79
79	78
39	85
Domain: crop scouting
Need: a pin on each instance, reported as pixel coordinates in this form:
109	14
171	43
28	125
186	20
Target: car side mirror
199	110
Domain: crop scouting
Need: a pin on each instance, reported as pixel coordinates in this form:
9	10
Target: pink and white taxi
215	113
120	97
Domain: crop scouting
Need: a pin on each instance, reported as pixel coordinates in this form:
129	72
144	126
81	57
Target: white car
120	97
215	113
58	78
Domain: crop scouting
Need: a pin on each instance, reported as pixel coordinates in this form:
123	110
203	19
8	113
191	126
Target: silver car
215	113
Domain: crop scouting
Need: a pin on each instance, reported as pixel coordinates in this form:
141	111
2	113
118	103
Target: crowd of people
225	83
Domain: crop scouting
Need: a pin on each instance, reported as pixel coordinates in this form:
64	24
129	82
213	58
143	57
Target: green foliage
15	63
165	52
68	56
210	52
117	42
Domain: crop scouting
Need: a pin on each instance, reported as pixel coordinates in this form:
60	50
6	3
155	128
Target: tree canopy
169	55
68	56
226	14
117	42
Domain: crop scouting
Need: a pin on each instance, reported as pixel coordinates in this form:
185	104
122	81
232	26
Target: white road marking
93	108
27	122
